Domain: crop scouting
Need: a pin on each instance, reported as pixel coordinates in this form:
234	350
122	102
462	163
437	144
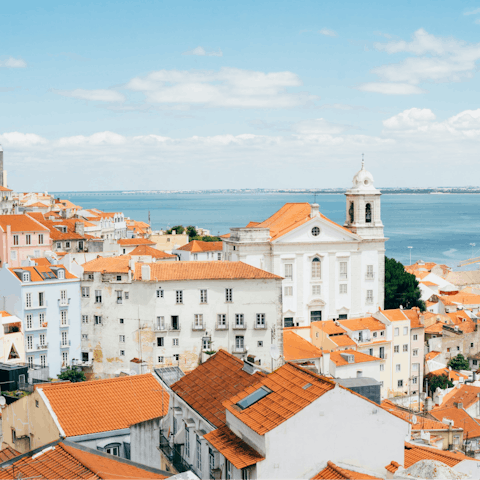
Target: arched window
350	212
368	213
316	268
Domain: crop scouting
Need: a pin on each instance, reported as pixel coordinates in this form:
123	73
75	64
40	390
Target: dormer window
61	274
26	276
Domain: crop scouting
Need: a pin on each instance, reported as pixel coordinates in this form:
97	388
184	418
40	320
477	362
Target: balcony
198	326
174	327
239	326
236	349
66	344
369	300
173	453
62	302
370	276
343	276
42	346
260	326
160	327
221	326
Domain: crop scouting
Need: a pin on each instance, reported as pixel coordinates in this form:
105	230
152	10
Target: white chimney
315	210
146	273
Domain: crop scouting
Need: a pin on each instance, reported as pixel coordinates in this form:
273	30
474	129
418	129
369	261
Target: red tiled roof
332	471
329	327
297	348
214	270
118	264
366	323
213	382
20	223
415	453
233	448
414	316
451	374
431	355
291	393
395	315
466	394
55	226
342	341
461	419
421	423
35	272
200	246
131	242
359	357
150	251
103	405
7	453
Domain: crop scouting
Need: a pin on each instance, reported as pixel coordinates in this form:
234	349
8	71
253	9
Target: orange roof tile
462	320
415	453
421	275
55	227
118	264
37	272
366	323
431	355
103	405
414	316
233	448
461	419
332	471
395	315
329	327
292	389
463	298
466	394
150	251
342	340
214	270
427	283
7	453
20	223
5	189
359	357
297	348
213	382
131	242
452	374
200	246
435	328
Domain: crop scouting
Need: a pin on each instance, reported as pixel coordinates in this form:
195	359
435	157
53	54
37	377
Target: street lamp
472	245
410	254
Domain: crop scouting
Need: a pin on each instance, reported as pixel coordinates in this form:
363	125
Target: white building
168	313
200	251
329	271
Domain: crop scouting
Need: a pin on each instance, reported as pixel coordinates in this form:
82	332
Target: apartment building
168	313
46	297
200	251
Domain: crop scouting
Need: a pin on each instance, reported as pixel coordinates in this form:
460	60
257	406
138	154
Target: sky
163	95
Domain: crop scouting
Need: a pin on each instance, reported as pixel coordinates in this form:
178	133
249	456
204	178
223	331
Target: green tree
401	287
459	363
178	229
206	238
72	374
192	231
441	381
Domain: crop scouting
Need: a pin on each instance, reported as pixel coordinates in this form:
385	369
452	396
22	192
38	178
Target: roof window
26	276
254	397
308	385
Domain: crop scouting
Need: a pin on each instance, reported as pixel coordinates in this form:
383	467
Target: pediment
316	302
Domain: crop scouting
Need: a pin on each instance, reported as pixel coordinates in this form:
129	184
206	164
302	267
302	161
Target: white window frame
288	268
316	269
203	296
229	295
179	297
343	275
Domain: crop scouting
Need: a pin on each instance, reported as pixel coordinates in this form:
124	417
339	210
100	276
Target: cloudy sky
214	94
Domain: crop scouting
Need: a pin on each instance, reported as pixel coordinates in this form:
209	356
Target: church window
316	268
315	231
368	213
350	212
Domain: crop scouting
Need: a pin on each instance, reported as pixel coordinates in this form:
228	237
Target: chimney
146	273
325	363
315	210
80	228
429	403
459	405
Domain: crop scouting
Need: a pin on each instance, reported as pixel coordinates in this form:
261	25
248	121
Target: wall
166	243
368	369
144	440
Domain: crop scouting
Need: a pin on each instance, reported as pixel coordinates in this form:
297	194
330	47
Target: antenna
363	161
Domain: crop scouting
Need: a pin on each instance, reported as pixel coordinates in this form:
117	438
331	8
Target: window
63	316
59	245
161	359
471	345
343	288
28	300
315	231
126	295
369	271
84	336
80	245
400	383
195	256
316	268
40	239
26	276
175	342
112	451
239	343
397	332
343	270
370	352
316	289
211	462
369	296
119	297
405	330
29	321
288	271
397	367
64	359
206	343
28	239
458	348
288	322
67	244
260	344
239	320
160	325
176	357
63	297
14	254
179	296
43	361
288	291
374	334
382	333
228	295
175	322
260	320
415	352
160	341
84	318
15	239
448	350
159	293
343	316
199	454
41	299
122	353
203	296
14	435
98	296
121	338
219	256
316	316
405	348
228	470
119	278
415	367
30	362
64	339
97	319
42	340
198	321
187	441
396	349
222	320
382	367
415	338
368	213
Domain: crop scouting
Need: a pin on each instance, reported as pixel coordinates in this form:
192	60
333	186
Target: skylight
308	385
254	397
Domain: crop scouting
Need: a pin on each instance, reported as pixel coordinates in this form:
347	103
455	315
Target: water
440	228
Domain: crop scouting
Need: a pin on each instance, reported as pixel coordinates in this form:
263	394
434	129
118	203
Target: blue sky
215	94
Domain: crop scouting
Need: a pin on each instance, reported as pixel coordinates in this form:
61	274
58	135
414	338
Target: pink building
20	237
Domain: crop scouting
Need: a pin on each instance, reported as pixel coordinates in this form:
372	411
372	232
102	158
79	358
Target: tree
439	381
191	231
72	374
459	363
401	287
206	238
178	229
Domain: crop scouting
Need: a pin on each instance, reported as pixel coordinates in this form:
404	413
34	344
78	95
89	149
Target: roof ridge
315	375
90	382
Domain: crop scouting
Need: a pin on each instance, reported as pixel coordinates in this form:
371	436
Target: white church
330	271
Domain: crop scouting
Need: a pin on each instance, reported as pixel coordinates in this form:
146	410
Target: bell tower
363	206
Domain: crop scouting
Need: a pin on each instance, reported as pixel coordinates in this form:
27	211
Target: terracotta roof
20	223
464	298
69	462
214	270
395	315
37	204
421	275
233	448
289	217
130	242
451	374
415	453
466	394
342	340
464	322
429	284
118	264
200	246
5	189
431	355
213	382
152	252
37	273
103	405
332	471
292	389
297	348
430	304
252	224
435	328
414	316
43	261
359	357
329	327
421	423
7	453
56	226
366	323
461	419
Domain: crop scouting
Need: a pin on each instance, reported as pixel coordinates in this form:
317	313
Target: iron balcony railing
174	455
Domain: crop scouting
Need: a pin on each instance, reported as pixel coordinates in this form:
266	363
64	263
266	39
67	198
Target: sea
442	228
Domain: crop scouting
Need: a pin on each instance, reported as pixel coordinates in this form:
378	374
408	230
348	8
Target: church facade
330	271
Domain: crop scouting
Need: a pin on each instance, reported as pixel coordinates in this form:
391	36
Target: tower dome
363	182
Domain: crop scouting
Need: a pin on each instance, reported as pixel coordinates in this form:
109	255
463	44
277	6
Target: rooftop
431	355
395	315
150	251
366	323
451	374
297	348
104	405
466	394
20	223
200	246
461	419
358	357
330	327
118	264
332	471
130	242
42	273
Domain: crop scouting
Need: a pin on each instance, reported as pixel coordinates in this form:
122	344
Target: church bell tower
363	206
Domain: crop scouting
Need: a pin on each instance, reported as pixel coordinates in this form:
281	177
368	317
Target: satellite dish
414	419
3	402
274	352
132	373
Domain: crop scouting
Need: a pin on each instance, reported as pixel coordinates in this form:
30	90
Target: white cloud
408	119
473	12
200	51
391	88
17	139
101	138
100	95
228	87
328	32
13	63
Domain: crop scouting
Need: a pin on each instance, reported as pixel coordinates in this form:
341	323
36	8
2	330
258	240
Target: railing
239	349
369	276
160	327
68	343
221	326
42	346
240	326
196	326
63	302
119	301
343	276
260	326
175	328
174	455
